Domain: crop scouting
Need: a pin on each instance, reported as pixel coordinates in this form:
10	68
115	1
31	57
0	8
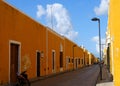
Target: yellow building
28	45
92	59
112	41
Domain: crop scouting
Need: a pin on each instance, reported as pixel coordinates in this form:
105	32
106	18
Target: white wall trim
67	62
61	47
112	50
46	51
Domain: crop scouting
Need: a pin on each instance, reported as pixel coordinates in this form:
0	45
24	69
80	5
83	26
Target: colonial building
112	41
28	45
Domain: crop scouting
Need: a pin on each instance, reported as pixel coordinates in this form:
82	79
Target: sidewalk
105	84
106	78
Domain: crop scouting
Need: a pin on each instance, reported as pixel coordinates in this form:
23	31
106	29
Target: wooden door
38	64
53	62
14	49
76	63
61	59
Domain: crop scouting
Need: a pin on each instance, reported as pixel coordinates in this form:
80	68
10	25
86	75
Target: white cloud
102	9
57	18
61	20
96	40
40	11
72	35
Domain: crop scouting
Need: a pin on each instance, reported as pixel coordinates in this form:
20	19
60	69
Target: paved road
83	77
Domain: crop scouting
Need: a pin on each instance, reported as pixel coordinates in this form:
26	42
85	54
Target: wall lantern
42	54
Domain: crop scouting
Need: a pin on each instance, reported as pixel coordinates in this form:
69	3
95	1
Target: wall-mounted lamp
42	54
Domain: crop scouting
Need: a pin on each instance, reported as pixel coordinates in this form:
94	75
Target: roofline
17	9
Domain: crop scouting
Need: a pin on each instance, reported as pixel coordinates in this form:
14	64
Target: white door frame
54	71
19	56
67	62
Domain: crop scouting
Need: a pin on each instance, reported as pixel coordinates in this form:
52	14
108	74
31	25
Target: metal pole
97	19
100	50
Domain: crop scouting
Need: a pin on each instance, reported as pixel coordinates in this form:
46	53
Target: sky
70	18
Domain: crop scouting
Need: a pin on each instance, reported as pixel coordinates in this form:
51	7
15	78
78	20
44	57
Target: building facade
28	45
112	41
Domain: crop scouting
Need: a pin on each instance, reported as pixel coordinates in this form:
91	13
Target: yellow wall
32	37
114	28
80	56
70	50
91	59
18	27
54	43
68	54
86	58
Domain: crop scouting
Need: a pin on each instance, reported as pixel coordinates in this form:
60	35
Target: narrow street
83	77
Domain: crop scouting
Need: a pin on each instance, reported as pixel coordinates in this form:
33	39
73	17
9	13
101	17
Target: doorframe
61	51
67	62
76	62
54	71
19	56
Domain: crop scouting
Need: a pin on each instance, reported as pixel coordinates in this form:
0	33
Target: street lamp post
97	19
73	56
